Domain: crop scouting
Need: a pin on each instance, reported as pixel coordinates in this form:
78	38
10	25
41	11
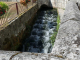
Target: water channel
45	25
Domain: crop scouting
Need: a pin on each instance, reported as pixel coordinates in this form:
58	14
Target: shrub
56	31
3	8
23	2
2	11
58	22
3	5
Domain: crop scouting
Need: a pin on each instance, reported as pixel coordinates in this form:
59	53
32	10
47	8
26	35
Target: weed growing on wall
58	22
56	31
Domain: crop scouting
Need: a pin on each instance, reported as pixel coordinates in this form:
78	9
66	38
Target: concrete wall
67	43
61	3
53	3
13	32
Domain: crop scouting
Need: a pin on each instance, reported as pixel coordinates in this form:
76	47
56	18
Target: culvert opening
43	32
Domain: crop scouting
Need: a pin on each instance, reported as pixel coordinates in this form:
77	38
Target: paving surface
8	55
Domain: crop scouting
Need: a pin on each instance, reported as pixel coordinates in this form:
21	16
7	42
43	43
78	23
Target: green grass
53	38
56	31
58	22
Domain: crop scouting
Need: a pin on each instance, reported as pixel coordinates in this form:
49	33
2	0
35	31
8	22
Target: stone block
71	12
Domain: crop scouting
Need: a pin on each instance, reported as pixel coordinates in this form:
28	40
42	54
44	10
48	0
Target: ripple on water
42	31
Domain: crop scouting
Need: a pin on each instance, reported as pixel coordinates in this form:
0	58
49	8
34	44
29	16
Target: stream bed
39	40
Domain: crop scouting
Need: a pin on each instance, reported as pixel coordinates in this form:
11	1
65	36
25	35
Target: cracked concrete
67	41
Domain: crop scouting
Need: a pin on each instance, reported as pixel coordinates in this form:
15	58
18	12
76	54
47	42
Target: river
39	40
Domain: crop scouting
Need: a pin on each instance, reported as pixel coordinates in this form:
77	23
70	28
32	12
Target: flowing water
39	40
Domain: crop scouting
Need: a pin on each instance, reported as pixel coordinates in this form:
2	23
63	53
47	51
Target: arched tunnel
45	7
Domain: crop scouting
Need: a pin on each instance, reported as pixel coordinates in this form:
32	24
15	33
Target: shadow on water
42	30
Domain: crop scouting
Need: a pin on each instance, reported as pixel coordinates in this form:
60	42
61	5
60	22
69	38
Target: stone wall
53	3
59	3
67	43
12	34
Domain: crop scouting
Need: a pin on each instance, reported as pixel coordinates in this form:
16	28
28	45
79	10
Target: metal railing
15	10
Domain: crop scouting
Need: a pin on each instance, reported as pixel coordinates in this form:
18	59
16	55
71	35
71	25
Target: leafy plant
58	22
55	32
3	8
23	2
53	38
4	5
2	11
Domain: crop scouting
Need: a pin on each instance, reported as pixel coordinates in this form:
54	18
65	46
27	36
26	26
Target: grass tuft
56	31
58	22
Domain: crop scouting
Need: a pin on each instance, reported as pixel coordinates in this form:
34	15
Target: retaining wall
53	3
12	33
67	43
